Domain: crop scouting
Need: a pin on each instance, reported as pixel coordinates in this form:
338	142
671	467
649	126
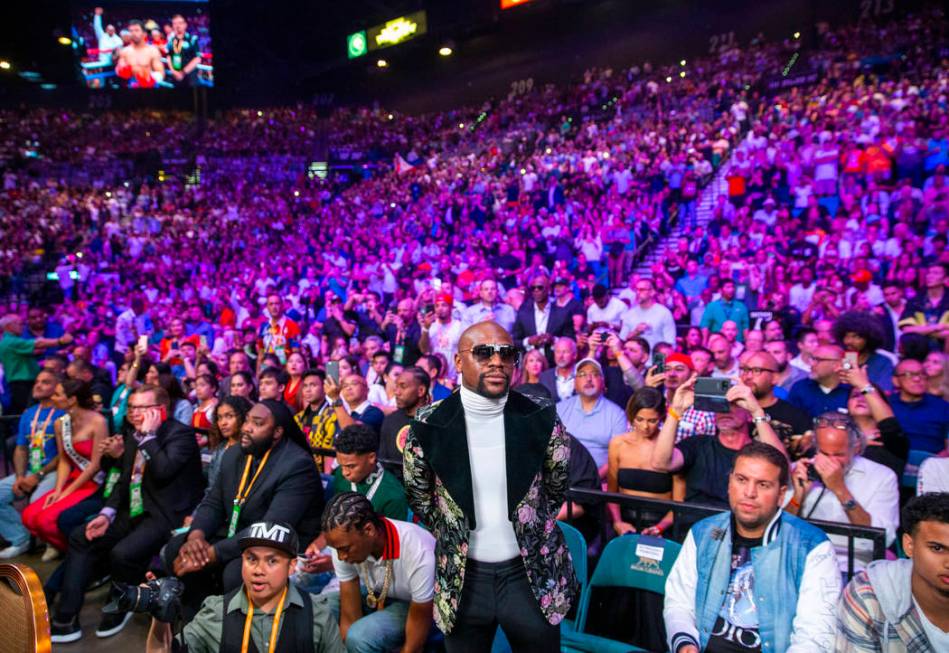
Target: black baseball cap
271	534
561	281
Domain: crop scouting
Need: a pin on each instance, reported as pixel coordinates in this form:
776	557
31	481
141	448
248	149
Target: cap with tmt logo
275	535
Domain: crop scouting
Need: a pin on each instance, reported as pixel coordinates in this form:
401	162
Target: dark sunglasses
483	353
538	287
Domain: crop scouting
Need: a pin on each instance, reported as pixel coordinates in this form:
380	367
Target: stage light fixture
64	40
382	63
445	51
5	65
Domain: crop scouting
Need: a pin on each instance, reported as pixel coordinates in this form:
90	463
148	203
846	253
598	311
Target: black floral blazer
438	486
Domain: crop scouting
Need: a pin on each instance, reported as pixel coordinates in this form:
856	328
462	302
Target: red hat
862	276
445	297
678	357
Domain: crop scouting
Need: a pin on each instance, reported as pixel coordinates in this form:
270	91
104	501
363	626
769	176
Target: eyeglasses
754	370
483	353
133	408
827	360
538	287
841	423
593	374
912	375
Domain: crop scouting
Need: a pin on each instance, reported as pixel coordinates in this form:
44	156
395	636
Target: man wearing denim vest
755	579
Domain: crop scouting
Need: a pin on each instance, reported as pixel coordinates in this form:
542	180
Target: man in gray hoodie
902	606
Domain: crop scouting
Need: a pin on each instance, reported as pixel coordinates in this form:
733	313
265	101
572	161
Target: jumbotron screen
150	44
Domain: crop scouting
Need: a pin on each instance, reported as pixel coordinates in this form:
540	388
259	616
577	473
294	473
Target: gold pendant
371	601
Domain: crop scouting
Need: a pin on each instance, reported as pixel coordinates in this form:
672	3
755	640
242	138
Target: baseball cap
684	359
587	361
271	534
561	281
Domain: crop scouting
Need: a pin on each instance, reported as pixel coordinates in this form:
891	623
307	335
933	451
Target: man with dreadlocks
386	571
270	477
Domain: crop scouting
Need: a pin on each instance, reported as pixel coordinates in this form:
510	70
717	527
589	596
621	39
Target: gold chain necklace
379	602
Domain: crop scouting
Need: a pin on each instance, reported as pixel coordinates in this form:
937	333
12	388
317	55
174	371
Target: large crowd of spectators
248	298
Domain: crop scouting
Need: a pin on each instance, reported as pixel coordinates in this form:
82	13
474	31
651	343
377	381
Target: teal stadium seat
630	561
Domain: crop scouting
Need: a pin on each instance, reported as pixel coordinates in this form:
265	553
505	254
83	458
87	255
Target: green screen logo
356	45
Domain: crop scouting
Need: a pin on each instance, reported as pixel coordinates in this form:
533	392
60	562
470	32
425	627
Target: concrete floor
132	638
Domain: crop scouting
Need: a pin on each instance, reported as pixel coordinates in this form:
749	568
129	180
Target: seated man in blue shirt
924	417
824	392
589	416
34	463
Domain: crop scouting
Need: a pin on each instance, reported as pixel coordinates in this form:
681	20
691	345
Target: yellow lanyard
38	441
241	496
274	629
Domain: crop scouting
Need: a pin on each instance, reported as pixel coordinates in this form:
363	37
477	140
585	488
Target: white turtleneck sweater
493	540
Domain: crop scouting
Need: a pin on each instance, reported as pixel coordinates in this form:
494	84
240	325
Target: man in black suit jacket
558	320
273	477
565	359
159	485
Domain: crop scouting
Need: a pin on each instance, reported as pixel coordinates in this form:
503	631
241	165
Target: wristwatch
761	418
867	390
337	404
850	504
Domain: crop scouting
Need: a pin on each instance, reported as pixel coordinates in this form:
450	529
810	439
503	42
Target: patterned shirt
319	427
695	422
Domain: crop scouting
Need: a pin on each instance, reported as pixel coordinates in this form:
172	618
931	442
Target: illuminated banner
392	32
507	4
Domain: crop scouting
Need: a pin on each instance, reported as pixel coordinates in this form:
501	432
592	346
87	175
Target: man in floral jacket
486	470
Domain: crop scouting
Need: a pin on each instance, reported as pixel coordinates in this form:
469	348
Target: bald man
486	469
824	391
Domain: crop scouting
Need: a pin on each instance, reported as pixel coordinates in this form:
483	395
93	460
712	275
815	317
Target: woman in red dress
296	366
205	392
79	434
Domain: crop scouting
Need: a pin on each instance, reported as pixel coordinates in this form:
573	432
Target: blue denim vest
778	565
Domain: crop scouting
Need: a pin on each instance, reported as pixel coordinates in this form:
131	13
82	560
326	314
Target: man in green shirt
722	310
360	471
304	623
18	358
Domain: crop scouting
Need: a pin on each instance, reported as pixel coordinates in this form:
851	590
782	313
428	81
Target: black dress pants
129	545
498	593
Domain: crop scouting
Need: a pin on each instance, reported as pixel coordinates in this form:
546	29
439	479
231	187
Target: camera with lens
161	598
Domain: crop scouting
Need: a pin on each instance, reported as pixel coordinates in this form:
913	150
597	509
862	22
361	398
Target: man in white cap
589	416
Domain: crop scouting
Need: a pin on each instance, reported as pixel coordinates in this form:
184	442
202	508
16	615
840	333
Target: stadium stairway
706	204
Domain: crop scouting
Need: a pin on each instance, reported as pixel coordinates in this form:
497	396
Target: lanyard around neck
274	628
241	496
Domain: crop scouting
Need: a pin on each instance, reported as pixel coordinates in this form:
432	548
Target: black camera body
160	598
813	474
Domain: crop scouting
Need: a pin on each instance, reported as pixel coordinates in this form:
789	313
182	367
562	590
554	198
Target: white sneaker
51	553
14	550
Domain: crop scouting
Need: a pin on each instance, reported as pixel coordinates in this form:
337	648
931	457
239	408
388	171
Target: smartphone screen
850	358
659	362
143	342
332	371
